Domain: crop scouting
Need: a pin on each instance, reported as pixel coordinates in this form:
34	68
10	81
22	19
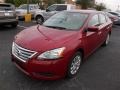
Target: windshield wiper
56	27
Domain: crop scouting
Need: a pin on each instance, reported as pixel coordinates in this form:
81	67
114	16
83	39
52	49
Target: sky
110	4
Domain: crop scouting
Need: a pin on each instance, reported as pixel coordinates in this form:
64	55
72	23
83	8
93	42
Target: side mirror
93	29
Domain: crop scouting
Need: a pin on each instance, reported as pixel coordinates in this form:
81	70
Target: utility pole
28	2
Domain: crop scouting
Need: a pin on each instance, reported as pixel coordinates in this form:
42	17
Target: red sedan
57	48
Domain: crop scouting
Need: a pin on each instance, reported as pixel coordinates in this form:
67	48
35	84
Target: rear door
92	38
104	27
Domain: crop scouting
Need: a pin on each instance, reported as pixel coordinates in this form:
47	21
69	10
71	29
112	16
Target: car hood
42	38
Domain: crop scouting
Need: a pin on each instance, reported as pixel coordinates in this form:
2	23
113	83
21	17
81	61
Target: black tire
14	25
107	40
39	20
70	72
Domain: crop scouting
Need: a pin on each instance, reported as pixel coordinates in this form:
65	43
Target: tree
50	2
100	7
9	1
85	3
19	2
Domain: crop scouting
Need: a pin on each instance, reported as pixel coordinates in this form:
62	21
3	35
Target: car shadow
34	84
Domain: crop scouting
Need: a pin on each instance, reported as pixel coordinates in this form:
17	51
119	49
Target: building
1	1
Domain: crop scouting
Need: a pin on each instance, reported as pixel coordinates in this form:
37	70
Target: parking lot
101	71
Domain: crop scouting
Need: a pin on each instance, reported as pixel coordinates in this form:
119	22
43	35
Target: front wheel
107	40
74	65
39	20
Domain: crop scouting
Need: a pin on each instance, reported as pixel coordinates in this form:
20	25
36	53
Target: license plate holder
7	14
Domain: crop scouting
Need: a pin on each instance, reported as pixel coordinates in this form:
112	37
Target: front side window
102	18
52	8
31	7
94	21
23	6
67	20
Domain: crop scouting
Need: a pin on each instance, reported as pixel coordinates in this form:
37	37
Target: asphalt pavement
101	71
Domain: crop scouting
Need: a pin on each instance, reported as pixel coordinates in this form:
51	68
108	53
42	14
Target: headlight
52	54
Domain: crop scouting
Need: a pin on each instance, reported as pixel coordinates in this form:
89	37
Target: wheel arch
109	32
39	15
81	50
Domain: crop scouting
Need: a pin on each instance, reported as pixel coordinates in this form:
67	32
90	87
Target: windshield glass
67	20
6	7
23	6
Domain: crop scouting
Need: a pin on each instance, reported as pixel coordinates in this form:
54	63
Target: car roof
6	4
30	4
87	11
64	4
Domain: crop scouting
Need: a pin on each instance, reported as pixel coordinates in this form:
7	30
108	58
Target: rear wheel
107	40
74	65
39	20
14	25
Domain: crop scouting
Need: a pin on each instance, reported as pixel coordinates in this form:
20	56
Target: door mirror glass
93	29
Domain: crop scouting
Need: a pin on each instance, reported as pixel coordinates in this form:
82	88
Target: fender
40	12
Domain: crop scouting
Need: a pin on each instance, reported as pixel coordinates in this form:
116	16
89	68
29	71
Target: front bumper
43	70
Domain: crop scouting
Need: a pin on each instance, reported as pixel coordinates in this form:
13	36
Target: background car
21	11
41	16
117	15
8	15
57	48
114	19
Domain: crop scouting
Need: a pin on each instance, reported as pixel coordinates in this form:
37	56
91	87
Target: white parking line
22	26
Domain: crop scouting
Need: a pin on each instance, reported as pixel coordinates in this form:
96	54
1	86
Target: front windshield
23	6
67	20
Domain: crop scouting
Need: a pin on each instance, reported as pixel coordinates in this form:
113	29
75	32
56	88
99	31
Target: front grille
22	53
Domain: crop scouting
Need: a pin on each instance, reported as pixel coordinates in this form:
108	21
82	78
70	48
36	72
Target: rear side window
94	21
36	7
102	18
61	7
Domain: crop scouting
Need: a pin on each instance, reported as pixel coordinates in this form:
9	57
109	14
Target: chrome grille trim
21	53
